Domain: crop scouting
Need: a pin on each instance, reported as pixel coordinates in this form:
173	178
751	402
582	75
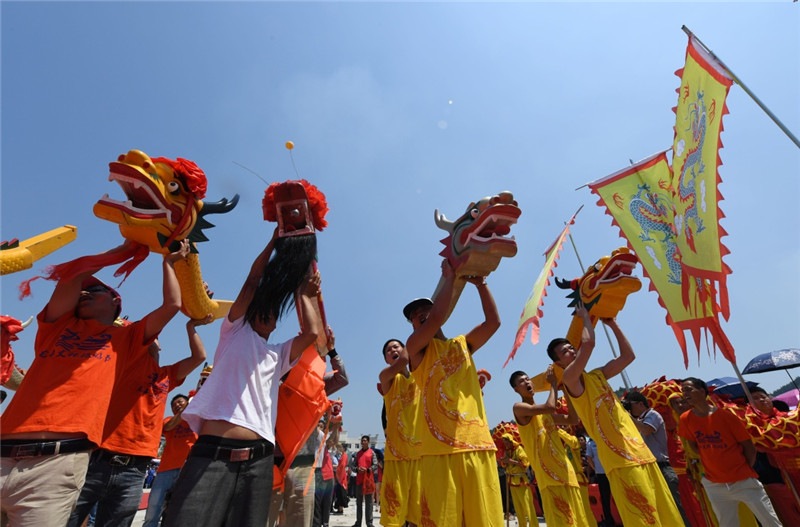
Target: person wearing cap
58	414
559	487
630	466
227	478
457	461
400	491
132	433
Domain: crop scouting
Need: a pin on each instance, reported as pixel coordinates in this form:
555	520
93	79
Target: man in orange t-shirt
179	440
132	433
727	454
57	416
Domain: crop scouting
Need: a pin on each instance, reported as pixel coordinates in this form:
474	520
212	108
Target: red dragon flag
639	198
531	312
698	124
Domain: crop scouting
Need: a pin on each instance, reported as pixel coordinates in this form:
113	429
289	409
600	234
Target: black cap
414	304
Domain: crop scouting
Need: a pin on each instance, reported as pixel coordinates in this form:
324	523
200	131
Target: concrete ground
345	520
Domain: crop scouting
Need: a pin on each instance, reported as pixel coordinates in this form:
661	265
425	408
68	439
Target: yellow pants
460	487
523	504
400	493
642	496
563	505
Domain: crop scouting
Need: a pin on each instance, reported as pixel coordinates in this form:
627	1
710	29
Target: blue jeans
114	488
162	484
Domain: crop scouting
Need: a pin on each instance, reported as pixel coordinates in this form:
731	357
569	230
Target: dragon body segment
692	167
651	212
478	239
603	289
163	206
18	255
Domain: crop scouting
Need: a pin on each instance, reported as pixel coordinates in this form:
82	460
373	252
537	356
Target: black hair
283	275
637	397
551	348
697	383
383	349
514	376
179	396
758	389
365	437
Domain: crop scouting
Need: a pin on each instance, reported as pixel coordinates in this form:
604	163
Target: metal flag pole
625	379
745	88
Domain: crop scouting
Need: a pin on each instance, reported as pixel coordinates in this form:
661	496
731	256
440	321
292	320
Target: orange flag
698	124
639	198
531	312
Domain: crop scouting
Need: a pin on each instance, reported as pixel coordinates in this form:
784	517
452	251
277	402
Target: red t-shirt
133	423
68	386
179	442
718	437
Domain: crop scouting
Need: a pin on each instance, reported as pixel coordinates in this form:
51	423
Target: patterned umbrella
775	360
730	386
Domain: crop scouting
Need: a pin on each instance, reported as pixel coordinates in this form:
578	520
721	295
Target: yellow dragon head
163	202
603	289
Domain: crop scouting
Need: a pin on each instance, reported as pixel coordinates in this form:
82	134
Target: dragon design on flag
651	212
692	167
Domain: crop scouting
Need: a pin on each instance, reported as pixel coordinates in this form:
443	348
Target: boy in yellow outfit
639	489
457	464
516	463
400	492
558	485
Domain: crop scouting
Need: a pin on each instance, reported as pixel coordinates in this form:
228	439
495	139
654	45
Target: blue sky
397	109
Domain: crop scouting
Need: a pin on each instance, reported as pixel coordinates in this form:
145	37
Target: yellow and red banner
640	200
531	313
695	161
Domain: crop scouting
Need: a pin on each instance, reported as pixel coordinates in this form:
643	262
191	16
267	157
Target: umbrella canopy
730	386
774	360
791	397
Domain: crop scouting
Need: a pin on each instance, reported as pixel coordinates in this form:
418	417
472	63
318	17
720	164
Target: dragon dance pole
625	379
745	88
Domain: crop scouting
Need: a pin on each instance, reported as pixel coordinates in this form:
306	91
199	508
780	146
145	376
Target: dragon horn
27	322
219	207
442	222
564	284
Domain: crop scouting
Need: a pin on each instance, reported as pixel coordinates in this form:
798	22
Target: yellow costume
555	476
400	490
639	489
574	454
458	466
517	478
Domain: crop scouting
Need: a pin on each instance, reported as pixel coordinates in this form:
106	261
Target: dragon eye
474	212
173	187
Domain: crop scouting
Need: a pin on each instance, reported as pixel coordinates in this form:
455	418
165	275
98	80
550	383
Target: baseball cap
414	304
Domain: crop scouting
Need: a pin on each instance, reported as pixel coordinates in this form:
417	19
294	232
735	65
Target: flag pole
745	88
625	379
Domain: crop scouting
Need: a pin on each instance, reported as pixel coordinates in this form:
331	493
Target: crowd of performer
87	420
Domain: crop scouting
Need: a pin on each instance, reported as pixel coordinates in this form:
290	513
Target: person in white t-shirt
227	478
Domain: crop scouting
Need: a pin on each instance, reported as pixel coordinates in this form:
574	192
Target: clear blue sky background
396	110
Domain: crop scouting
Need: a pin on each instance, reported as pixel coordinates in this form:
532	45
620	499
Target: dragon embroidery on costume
603	289
692	167
478	239
164	206
651	211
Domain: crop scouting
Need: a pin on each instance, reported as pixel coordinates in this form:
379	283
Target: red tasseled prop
192	175
132	256
316	204
9	327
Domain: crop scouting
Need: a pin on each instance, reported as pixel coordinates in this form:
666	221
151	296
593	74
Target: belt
232	454
663	464
306	460
25	448
121	460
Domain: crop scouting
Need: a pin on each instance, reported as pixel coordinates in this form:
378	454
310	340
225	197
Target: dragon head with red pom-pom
298	206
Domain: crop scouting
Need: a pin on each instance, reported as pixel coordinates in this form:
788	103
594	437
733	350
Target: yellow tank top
402	405
547	453
452	416
619	443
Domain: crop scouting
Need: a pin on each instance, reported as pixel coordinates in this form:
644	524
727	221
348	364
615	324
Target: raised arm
419	339
626	355
239	307
337	379
313	325
572	373
196	347
523	411
171	304
481	333
569	419
67	292
387	375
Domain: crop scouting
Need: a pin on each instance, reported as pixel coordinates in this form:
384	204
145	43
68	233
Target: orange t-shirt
179	441
137	406
68	386
718	437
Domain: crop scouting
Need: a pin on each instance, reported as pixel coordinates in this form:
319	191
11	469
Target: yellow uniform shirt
548	455
402	408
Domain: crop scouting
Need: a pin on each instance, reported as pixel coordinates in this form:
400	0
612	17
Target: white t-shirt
243	386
